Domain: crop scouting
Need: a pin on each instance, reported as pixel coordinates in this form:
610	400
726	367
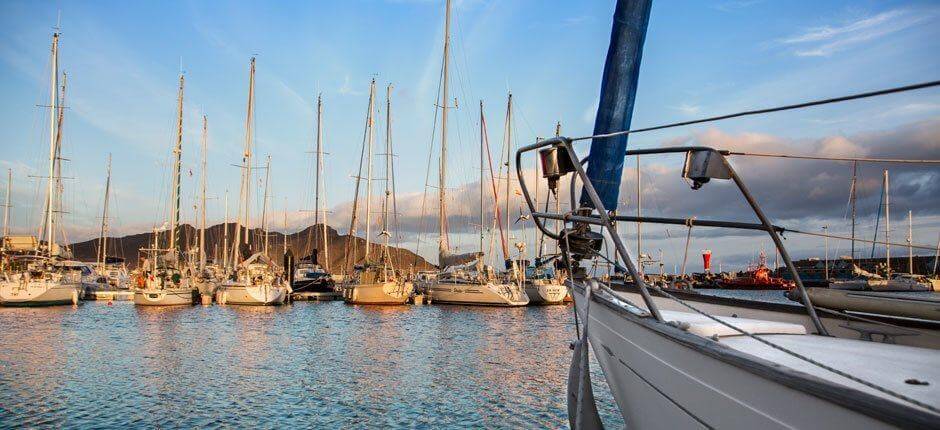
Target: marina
705	268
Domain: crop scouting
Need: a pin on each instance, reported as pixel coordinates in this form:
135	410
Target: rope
873	242
810	157
801	356
768	110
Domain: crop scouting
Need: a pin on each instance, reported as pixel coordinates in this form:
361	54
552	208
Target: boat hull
546	294
477	294
39	293
665	378
165	297
251	295
380	293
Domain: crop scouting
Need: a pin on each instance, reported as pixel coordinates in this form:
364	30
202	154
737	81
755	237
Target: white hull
663	377
381	293
488	294
545	294
39	293
252	295
164	297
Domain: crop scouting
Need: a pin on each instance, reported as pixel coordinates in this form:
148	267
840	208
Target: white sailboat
255	280
165	279
110	280
35	275
462	278
691	369
379	282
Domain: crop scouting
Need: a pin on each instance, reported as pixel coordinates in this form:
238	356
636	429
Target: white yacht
255	280
377	282
166	280
33	273
690	368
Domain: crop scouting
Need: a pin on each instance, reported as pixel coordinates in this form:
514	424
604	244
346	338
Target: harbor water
303	365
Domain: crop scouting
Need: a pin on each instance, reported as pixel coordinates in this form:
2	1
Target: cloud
825	40
688	109
346	88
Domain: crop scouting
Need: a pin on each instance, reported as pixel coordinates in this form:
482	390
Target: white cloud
825	40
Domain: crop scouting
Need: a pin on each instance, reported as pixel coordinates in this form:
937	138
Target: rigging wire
857	96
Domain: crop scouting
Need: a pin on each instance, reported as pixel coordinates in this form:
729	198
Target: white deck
885	365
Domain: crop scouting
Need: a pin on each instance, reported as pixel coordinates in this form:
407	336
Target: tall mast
53	101
444	244
244	192
852	198
386	258
482	134
202	203
264	204
887	225
369	171
225	234
350	250
177	154
639	213
103	241
508	144
285	225
6	207
319	170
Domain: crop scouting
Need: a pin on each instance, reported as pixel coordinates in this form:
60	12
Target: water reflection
308	365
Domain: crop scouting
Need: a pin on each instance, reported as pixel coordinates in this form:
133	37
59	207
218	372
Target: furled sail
618	92
447	259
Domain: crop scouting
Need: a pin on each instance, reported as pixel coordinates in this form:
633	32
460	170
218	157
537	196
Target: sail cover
447	259
618	91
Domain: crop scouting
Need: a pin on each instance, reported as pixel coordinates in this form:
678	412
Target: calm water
304	365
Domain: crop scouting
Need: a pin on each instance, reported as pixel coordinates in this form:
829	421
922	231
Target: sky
701	58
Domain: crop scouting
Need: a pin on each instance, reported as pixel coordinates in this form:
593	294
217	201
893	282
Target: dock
316	296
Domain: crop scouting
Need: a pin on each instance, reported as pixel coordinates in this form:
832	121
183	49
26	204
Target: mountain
299	243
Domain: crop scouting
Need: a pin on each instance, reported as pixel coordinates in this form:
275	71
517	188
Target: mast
508	135
285	225
482	133
264	204
639	213
53	145
103	241
887	225
225	235
318	186
177	154
386	257
910	242
852	198
244	192
369	172
444	243
202	204
6	207
350	243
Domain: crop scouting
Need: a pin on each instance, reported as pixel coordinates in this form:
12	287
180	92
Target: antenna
58	20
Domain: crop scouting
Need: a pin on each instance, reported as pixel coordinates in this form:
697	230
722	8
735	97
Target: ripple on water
304	365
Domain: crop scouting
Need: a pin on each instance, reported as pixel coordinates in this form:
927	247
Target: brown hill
300	243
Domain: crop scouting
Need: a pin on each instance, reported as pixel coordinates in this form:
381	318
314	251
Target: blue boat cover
618	92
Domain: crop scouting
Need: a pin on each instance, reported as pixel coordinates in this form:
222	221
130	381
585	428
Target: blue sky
701	58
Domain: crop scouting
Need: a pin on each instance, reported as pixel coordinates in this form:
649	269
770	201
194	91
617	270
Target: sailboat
110	279
378	282
256	280
165	279
206	276
35	274
310	275
690	368
462	278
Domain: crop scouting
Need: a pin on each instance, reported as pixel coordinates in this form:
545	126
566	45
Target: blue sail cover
618	91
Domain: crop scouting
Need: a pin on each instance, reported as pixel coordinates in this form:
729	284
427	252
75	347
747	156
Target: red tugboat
757	279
